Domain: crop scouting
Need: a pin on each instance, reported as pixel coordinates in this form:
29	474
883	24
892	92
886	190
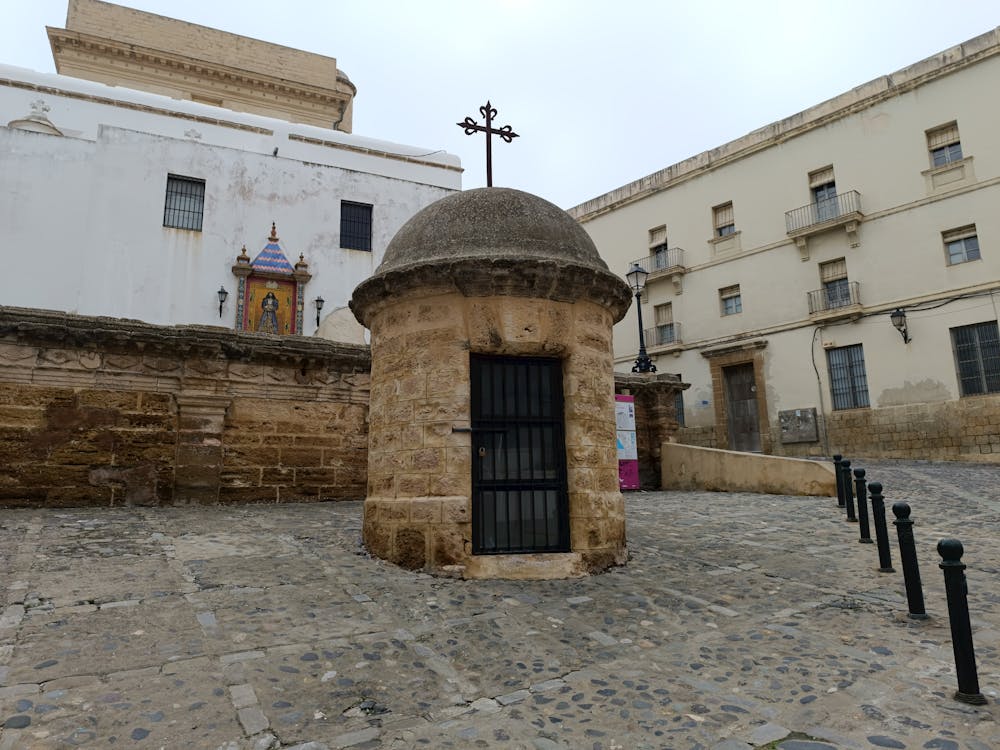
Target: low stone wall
99	411
966	429
686	467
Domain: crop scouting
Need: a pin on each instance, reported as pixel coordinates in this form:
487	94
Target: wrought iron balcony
663	335
842	210
663	260
668	263
835	300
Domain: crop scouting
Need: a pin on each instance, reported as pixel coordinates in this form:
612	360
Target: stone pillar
198	458
655	417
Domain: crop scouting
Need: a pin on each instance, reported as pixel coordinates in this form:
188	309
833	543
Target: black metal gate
519	497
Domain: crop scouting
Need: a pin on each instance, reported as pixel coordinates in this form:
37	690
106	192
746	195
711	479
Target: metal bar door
519	493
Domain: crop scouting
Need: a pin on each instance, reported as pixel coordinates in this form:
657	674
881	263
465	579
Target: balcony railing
833	211
661	260
834	297
663	335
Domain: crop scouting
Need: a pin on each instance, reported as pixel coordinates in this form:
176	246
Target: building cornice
136	106
131	336
373	152
857	99
68	46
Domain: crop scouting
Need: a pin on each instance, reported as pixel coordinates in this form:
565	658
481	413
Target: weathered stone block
425	510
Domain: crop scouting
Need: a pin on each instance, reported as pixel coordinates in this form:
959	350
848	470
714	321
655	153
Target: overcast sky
602	92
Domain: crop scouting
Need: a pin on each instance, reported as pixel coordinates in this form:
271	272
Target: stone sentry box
476	478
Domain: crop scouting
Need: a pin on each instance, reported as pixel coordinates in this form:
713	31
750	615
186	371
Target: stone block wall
655	418
418	510
97	411
966	429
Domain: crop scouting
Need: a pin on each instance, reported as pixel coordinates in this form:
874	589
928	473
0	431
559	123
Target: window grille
848	381
185	203
723	218
356	225
977	356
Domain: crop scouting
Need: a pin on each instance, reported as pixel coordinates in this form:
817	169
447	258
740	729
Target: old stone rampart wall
101	411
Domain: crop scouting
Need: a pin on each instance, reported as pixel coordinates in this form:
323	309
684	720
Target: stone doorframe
750	352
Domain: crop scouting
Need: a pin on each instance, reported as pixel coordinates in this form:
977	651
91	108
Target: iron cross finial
506	134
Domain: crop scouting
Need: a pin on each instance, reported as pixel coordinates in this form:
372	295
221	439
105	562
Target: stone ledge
532	567
498	277
50	327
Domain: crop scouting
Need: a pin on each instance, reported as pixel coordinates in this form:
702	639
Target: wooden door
741	407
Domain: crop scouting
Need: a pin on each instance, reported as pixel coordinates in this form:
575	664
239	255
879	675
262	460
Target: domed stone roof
490	223
494	241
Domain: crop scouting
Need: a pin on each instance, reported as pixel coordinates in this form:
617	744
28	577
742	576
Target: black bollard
881	531
845	466
861	487
957	589
837	458
908	558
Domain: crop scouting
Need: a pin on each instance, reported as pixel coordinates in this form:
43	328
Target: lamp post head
637	277
898	318
319	307
222	298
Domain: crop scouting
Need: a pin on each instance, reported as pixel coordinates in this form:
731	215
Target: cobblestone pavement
741	621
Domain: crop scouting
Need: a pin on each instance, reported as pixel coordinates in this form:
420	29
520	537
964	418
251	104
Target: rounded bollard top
951	550
901	510
837	457
875	488
845	464
859	473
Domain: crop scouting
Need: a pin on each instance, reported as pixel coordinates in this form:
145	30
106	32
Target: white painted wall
83	213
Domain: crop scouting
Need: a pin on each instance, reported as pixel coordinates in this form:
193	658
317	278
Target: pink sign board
628	453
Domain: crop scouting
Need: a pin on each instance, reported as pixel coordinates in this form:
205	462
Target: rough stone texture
499	272
489	242
655	418
96	411
967	429
964	430
740	617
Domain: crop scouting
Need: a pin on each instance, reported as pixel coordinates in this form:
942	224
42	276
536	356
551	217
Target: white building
777	259
135	204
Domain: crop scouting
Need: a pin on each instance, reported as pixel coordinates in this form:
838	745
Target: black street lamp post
637	280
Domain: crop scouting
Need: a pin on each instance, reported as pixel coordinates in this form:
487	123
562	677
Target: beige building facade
776	261
120	46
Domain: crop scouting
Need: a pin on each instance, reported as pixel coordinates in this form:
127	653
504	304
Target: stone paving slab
742	621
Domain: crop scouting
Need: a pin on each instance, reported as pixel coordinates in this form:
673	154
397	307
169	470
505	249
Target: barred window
185	203
730	300
944	144
356	225
722	217
848	381
961	245
977	355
